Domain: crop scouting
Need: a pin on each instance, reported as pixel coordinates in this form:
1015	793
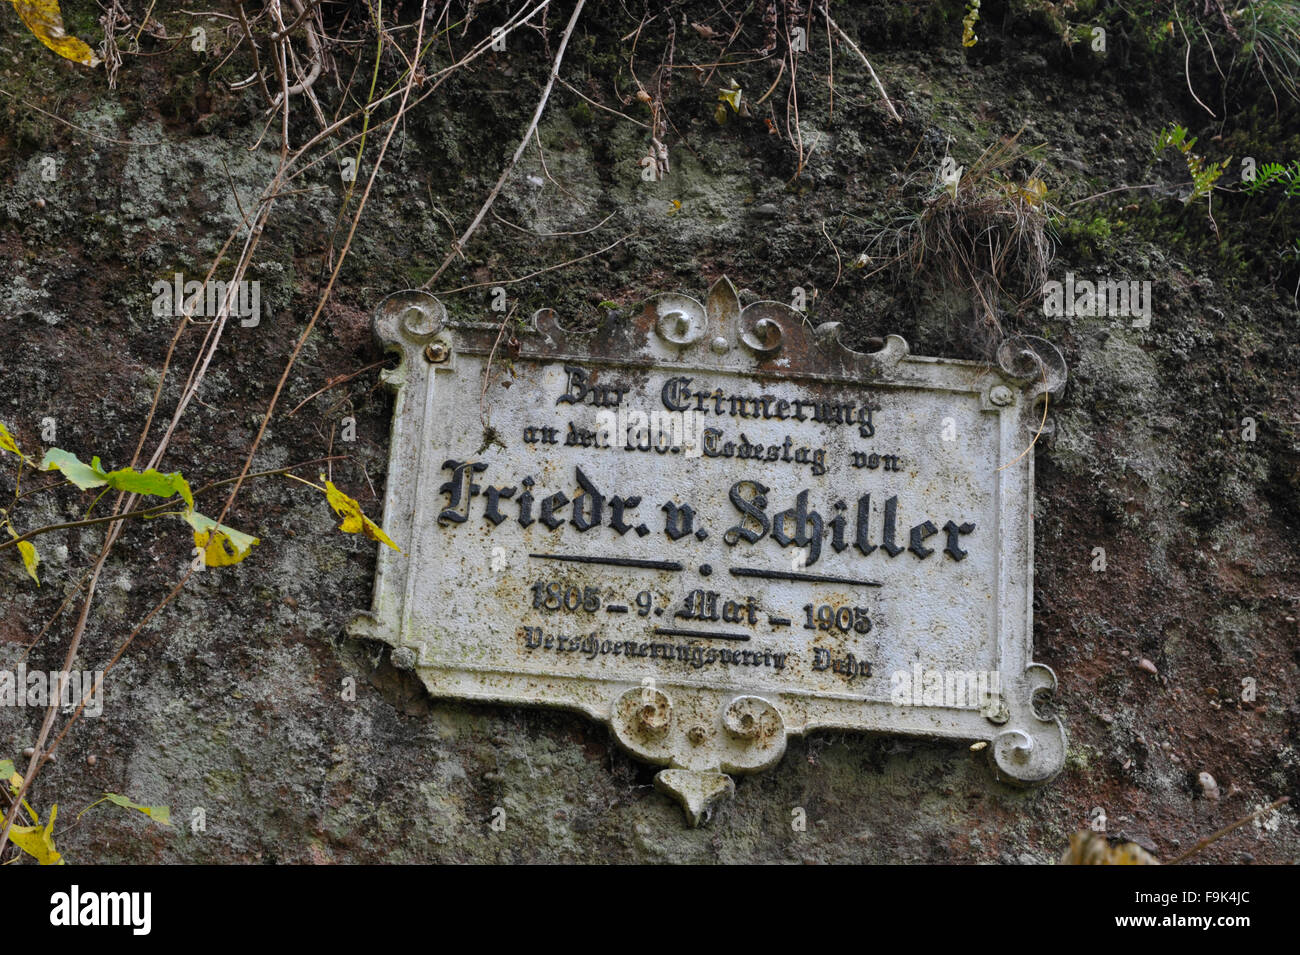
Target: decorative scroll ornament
831	539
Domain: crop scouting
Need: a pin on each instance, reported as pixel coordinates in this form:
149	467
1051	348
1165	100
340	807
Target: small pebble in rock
92	759
1209	788
1145	664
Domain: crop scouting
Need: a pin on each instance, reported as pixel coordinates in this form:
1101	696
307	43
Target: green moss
81	19
1080	758
582	114
1090	238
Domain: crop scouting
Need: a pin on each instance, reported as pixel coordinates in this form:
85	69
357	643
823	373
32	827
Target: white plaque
713	527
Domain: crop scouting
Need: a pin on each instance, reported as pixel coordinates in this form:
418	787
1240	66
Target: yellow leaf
30	559
353	520
7	442
731	96
968	37
1032	192
215	550
221	545
38	841
44	19
1089	848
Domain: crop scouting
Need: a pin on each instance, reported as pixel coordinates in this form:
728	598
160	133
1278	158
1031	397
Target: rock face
1167	517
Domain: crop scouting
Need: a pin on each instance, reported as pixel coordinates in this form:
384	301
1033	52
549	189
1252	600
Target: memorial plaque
712	527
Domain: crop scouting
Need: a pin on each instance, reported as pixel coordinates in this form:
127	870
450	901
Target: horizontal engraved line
794	575
673	632
779	621
613	561
616	608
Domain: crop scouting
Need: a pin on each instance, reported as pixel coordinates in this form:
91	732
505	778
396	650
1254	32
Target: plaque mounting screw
1001	395
436	352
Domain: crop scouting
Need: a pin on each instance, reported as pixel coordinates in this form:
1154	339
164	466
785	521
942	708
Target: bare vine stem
459	244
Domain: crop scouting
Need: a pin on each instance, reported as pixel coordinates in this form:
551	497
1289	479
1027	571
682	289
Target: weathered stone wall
231	699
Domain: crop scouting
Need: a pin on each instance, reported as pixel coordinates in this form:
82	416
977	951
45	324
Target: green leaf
83	475
213	538
159	814
150	482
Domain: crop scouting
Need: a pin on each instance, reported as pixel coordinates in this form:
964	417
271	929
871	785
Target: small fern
1273	172
1204	174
